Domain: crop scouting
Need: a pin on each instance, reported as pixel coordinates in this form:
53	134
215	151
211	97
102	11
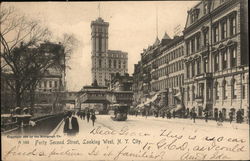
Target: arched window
216	90
224	89
193	92
234	96
243	91
188	96
224	59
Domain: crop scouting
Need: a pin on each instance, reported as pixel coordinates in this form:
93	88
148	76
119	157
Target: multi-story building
137	86
104	61
216	57
160	71
168	71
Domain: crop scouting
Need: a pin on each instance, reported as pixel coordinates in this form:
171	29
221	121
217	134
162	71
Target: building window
222	1
233	57
205	8
50	84
205	65
188	47
193	92
188	96
100	43
216	33
45	84
216	62
233	25
40	85
192	45
198	66
193	68
224	30
216	91
205	38
234	96
55	84
243	92
224	89
224	59
188	73
100	63
114	63
119	65
198	42
201	90
109	63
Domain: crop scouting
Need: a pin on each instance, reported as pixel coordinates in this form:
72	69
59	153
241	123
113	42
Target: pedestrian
83	115
71	126
216	115
88	116
220	116
163	114
239	116
174	114
231	116
194	115
206	115
136	113
93	118
191	114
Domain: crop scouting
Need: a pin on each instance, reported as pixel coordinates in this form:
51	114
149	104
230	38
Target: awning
115	105
17	108
140	106
178	96
177	108
152	99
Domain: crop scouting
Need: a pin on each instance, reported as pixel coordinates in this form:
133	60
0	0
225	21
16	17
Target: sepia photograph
124	80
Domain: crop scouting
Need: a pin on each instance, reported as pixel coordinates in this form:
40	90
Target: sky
132	27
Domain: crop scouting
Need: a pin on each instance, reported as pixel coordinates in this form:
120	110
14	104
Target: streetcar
119	112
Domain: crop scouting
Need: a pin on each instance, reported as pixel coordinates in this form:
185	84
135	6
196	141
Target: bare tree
20	52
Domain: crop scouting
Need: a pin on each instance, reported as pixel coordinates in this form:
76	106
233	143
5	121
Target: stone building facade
216	57
207	66
104	61
168	71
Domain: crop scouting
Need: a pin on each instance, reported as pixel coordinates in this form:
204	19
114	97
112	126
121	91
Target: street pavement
143	138
152	123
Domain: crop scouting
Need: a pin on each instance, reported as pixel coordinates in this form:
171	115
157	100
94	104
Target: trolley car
119	112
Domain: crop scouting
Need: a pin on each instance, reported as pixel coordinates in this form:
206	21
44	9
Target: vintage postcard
125	80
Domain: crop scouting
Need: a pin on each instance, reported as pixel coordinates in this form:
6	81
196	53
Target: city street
151	123
159	138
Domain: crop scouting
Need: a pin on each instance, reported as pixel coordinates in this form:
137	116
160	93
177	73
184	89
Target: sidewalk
201	122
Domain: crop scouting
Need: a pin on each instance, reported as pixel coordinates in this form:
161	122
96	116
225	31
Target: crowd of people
71	126
218	116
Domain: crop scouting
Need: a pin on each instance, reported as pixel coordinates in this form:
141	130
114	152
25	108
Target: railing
41	125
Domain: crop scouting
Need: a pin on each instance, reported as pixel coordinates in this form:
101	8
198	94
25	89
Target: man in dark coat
174	114
231	116
93	118
71	126
221	116
206	115
216	115
88	116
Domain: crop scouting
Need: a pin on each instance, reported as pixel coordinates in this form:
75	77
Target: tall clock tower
99	40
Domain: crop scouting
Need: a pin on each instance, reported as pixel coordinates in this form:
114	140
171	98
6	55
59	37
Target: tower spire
99	12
